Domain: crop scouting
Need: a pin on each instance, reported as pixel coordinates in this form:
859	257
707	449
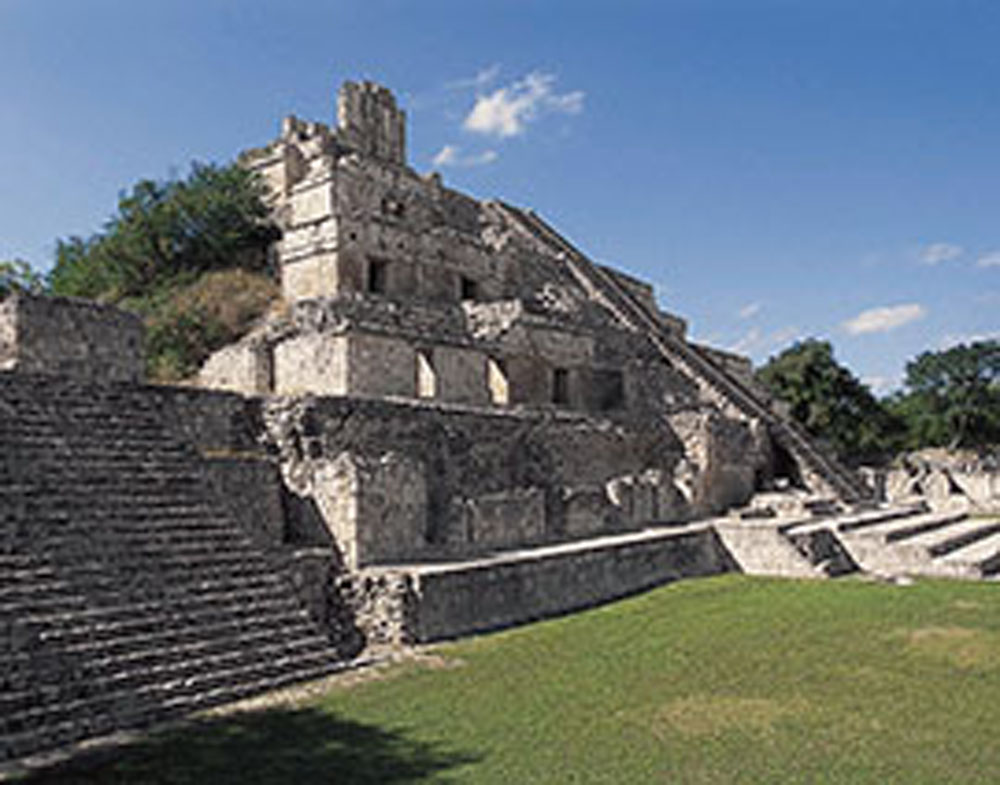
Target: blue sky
777	168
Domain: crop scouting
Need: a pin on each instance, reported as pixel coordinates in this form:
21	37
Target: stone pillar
369	121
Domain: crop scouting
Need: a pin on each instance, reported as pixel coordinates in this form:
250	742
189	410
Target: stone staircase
128	596
821	472
910	541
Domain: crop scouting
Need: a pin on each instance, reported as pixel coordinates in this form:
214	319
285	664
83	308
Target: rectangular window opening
378	274
468	289
560	386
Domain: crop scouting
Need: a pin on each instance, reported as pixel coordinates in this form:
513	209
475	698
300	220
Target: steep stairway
128	596
913	541
822	472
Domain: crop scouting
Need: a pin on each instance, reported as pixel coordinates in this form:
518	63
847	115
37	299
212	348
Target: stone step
902	528
16	745
141	544
93	441
981	557
109	590
150	697
138	669
852	521
146	517
117	634
42	601
142	587
938	542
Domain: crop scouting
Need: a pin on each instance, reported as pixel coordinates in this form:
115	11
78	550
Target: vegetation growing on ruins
189	255
17	275
724	680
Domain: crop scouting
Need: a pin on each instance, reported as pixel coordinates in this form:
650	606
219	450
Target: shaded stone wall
70	337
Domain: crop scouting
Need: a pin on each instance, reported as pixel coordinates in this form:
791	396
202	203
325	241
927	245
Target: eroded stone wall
70	337
399	481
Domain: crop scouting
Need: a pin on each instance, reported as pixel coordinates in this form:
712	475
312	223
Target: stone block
375	507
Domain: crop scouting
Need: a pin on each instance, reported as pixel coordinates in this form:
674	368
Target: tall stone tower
370	122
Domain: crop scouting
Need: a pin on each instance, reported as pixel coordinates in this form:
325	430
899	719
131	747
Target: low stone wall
434	602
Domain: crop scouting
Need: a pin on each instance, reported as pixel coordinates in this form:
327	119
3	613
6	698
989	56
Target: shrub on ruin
16	275
184	328
162	255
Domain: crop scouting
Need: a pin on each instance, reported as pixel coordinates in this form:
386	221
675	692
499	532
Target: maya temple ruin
455	422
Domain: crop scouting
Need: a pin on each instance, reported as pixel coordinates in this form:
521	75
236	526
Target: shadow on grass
263	748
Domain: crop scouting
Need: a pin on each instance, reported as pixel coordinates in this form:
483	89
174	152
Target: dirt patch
710	715
962	647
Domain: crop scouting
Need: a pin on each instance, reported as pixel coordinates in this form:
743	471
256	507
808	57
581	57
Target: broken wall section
399	482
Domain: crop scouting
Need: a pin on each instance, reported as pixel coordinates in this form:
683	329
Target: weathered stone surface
69	337
474	425
459	598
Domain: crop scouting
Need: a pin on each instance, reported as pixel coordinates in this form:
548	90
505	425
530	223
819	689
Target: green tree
952	397
188	255
16	275
831	403
169	232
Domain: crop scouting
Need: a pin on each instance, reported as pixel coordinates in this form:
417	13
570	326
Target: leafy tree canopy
830	402
16	275
952	397
170	231
188	255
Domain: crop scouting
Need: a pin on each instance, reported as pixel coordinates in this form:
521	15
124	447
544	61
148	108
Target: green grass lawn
723	680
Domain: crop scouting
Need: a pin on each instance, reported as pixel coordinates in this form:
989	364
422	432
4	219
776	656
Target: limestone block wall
724	460
314	363
446	602
247	367
461	375
375	506
70	337
499	520
379	365
491	478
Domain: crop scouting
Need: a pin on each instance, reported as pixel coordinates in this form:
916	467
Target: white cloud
746	344
882	320
482	78
508	110
749	310
451	155
935	253
989	260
